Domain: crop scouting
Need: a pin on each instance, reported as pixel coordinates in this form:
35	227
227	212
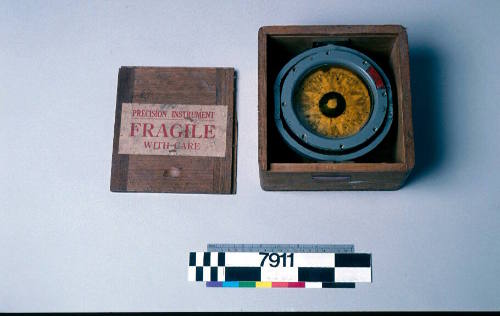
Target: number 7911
275	259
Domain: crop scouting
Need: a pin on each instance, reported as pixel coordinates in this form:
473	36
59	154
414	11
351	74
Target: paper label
173	129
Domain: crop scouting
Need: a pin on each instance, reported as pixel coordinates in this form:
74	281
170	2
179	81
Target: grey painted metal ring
312	145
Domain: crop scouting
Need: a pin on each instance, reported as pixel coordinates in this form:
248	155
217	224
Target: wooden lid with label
175	130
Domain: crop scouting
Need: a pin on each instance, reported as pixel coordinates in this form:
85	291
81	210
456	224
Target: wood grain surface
181	174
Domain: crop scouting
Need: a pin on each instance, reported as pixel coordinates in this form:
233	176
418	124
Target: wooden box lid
175	130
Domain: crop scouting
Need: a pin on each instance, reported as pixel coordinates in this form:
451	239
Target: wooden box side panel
328	181
182	174
262	99
400	60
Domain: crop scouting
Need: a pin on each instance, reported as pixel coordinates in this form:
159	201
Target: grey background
68	244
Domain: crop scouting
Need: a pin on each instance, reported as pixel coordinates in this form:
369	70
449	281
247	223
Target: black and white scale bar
338	248
326	285
255	259
207	259
267	274
306	267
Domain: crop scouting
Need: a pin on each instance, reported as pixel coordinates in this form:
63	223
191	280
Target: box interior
382	48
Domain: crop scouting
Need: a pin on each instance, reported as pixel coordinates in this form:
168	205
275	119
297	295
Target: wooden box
161	105
389	164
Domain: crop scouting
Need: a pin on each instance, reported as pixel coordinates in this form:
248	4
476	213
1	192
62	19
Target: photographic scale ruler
280	266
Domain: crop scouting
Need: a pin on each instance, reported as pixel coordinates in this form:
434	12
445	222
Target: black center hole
332	104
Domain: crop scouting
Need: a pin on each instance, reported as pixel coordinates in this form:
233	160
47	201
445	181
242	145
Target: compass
332	103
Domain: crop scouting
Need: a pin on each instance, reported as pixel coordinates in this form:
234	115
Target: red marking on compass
379	83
